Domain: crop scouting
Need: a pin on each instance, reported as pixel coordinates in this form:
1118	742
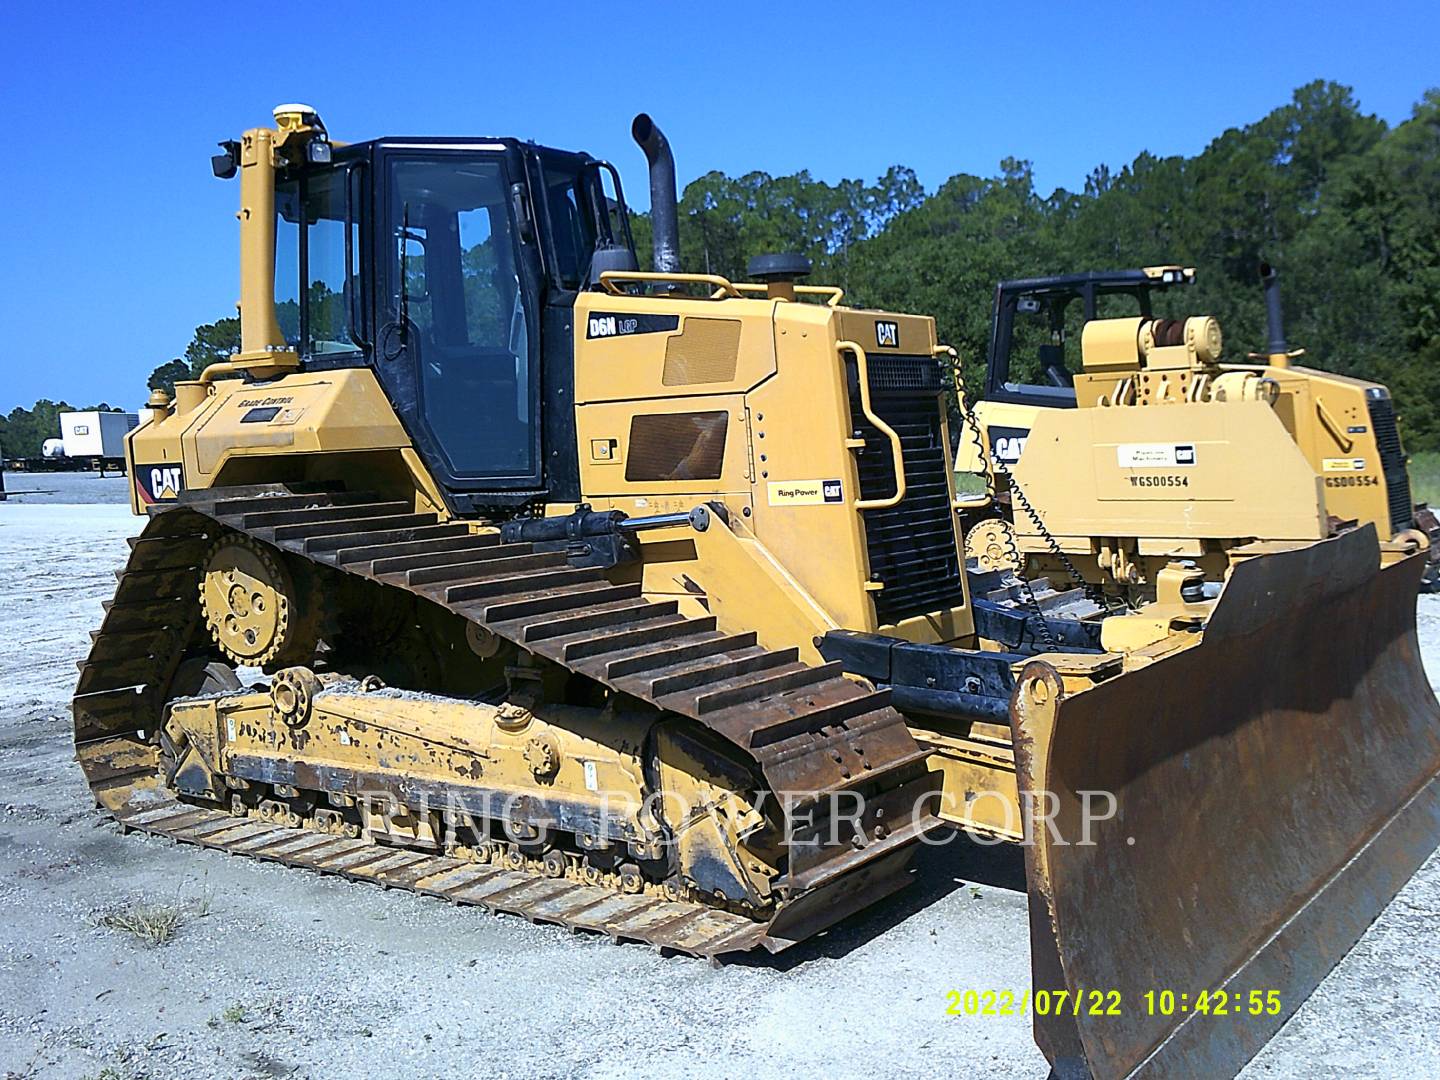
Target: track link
811	732
680	926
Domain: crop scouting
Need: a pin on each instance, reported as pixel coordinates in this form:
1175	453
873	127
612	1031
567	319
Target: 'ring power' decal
805	492
159	483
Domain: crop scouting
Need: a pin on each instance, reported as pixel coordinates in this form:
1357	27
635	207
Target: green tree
725	221
167	374
213	343
1368	270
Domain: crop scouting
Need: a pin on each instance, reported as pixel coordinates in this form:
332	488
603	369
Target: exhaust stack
1276	350
664	202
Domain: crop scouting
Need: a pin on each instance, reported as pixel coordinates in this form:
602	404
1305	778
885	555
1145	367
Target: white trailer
96	435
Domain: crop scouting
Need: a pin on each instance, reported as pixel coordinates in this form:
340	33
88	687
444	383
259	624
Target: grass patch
153	923
969	483
1425	477
257	1014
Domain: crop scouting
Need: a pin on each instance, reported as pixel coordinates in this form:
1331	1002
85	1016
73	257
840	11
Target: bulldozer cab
1036	322
450	267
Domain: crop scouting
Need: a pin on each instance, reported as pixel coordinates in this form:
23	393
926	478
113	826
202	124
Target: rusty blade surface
1276	786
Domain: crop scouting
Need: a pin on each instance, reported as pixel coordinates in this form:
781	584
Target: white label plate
1155	455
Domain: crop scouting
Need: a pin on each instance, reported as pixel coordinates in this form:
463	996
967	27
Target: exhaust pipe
1277	351
664	203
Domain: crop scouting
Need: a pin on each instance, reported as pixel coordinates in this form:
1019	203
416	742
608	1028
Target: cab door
457	344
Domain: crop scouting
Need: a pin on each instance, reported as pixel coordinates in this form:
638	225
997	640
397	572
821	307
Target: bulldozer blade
1275	785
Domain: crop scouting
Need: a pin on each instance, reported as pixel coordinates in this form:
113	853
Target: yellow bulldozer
494	568
1215	460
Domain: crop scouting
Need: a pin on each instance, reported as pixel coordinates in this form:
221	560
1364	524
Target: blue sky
118	241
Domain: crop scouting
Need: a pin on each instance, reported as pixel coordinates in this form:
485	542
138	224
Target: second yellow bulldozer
1212	460
494	568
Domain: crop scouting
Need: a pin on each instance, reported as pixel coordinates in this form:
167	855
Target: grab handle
862	369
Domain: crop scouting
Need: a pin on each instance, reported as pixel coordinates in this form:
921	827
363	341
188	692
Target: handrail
1332	426
833	293
862	370
722	286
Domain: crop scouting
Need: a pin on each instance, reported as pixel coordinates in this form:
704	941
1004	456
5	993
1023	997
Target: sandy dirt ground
279	973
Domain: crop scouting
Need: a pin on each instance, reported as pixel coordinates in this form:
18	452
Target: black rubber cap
613	257
784	267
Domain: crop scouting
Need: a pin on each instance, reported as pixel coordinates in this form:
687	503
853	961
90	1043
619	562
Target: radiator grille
1392	462
706	351
911	545
676	446
904	375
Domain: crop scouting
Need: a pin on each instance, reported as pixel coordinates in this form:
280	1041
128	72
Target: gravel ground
82	488
278	973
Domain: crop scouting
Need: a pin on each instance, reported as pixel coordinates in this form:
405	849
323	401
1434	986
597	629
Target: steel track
811	732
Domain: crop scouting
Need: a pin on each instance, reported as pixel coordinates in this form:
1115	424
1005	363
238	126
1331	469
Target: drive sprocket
251	605
991	544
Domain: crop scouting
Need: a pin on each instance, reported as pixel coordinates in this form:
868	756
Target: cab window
310	248
454	282
572	224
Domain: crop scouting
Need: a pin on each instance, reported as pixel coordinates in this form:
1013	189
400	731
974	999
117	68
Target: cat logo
1009	450
159	483
887	335
1007	444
